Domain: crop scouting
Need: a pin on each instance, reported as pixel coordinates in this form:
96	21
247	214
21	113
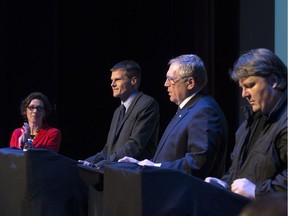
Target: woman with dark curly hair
35	109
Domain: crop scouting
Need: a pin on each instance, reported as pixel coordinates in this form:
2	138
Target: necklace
33	136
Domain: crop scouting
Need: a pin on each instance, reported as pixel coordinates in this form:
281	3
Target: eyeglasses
173	81
38	108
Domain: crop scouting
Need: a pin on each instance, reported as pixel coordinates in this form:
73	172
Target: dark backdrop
66	49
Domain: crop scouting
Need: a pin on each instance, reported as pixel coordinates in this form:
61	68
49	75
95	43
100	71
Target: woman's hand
25	130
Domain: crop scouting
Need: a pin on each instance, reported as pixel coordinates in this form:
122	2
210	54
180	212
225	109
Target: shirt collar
129	100
186	100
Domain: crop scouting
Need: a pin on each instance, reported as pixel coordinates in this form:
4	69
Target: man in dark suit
135	135
195	141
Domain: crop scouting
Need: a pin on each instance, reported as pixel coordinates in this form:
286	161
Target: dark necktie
121	116
178	111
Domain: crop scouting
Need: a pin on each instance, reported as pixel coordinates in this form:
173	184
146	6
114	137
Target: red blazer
48	138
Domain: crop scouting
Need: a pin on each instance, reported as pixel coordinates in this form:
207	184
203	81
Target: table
132	190
40	182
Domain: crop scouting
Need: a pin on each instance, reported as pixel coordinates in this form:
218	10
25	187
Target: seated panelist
36	132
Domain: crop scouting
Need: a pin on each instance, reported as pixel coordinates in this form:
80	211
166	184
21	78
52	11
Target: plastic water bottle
28	144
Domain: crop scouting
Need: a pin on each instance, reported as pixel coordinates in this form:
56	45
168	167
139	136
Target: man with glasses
196	138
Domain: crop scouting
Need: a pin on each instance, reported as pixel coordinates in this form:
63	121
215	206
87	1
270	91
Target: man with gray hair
195	141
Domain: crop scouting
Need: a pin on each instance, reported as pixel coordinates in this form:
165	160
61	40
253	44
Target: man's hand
87	163
244	187
146	163
128	159
213	180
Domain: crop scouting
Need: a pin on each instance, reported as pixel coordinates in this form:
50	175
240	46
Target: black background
65	49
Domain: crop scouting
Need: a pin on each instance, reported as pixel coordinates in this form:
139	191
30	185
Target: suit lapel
128	112
173	123
176	119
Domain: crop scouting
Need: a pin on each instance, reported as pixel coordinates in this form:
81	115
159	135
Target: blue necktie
121	116
178	111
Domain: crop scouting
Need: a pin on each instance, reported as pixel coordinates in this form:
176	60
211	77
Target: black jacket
266	160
